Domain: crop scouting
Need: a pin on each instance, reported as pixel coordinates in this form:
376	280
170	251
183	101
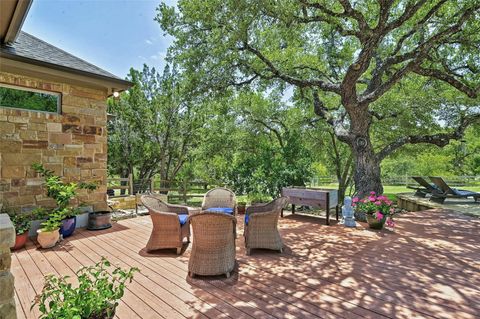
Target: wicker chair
261	230
220	197
167	231
213	248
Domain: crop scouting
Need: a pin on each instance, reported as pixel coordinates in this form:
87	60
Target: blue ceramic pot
68	226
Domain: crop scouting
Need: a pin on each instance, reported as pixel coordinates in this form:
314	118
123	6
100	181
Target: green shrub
95	296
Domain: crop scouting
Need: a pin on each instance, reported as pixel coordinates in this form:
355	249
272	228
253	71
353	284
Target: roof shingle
30	47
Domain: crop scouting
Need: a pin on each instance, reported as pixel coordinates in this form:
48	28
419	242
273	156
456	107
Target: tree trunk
367	168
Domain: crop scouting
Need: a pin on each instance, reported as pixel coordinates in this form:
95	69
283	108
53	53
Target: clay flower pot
20	241
48	239
374	223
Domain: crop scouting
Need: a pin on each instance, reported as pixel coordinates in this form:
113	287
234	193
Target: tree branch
450	79
440	139
325	86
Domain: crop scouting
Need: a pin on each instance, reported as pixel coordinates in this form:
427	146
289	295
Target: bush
96	295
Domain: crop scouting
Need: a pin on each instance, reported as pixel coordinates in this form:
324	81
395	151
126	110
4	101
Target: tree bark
367	168
367	175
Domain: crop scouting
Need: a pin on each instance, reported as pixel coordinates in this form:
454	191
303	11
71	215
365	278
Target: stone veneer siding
73	144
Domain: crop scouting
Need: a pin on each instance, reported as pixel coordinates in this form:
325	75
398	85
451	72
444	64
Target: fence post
152	184
130	184
185	191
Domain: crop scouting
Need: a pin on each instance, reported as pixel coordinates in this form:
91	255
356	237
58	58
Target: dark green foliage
28	100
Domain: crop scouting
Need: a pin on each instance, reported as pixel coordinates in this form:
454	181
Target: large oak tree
343	55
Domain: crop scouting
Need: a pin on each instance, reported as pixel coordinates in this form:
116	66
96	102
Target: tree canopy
349	61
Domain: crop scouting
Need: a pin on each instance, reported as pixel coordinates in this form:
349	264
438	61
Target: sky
111	34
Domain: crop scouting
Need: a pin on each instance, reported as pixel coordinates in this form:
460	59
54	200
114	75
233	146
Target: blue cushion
461	192
182	218
225	210
246	219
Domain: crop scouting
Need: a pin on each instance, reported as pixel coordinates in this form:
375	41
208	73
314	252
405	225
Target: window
29	99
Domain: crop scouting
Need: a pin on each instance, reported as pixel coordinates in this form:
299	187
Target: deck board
429	267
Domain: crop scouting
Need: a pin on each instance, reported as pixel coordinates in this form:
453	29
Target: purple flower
372	198
372	193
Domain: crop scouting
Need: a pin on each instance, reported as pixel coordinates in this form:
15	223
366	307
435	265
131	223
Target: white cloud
149	42
158	56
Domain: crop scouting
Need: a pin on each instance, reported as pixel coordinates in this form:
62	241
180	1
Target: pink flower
381	197
372	193
392	210
379	216
372	198
378	203
355	200
388	202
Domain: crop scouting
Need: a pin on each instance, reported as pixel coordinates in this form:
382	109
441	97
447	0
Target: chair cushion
225	210
247	217
461	192
182	218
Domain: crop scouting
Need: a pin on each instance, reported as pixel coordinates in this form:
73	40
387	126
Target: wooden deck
428	268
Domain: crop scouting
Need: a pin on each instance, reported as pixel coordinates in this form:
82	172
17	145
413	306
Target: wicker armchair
213	247
261	229
220	197
167	230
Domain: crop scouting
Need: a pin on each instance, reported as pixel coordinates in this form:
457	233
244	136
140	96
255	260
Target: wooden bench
316	197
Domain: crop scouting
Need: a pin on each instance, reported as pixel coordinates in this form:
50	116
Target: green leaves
96	294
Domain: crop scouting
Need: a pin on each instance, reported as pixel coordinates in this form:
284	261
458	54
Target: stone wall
7	239
73	144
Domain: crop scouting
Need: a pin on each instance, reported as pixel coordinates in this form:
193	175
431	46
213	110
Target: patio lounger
170	224
426	188
213	247
447	191
261	223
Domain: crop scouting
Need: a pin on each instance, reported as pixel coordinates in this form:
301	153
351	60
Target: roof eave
19	15
116	83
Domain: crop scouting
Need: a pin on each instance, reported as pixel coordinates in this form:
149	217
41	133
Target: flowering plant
379	207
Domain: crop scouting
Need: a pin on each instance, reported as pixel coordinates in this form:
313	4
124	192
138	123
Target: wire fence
467	180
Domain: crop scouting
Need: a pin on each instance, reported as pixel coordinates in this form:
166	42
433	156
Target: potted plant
377	210
241	207
62	193
21	222
49	233
22	226
95	296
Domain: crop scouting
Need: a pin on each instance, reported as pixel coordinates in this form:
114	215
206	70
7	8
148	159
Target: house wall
73	144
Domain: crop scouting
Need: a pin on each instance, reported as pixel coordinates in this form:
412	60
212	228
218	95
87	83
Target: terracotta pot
20	241
241	209
374	223
68	226
48	239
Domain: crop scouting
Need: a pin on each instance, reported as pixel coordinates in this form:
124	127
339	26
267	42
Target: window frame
29	89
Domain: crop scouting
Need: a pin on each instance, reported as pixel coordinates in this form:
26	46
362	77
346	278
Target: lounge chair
426	188
213	247
170	224
220	199
447	191
261	226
